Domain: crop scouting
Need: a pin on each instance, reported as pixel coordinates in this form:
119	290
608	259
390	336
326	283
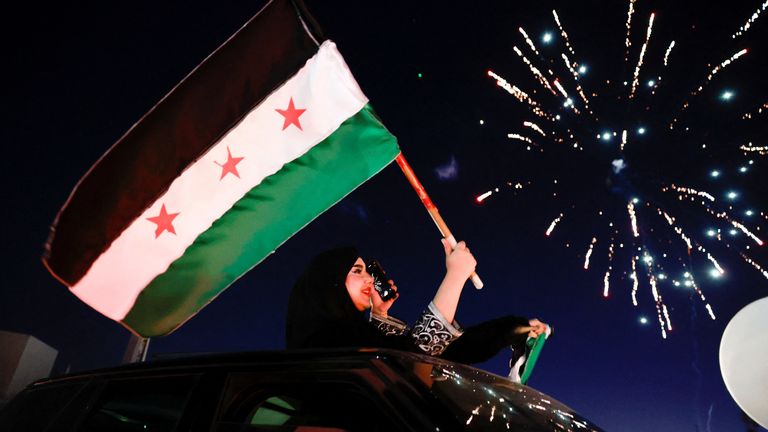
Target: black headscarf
320	298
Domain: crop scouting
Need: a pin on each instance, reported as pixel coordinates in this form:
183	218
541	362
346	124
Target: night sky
81	75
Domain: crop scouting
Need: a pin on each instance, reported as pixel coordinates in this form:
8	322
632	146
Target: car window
274	411
250	404
36	408
141	405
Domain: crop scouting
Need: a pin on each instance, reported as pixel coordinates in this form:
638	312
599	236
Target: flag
262	137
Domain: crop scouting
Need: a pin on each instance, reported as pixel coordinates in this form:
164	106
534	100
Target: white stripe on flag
329	93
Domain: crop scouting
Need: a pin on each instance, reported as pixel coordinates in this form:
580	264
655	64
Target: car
304	391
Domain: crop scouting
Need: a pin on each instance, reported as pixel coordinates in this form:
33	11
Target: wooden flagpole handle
432	209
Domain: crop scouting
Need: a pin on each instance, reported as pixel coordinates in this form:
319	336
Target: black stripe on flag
177	131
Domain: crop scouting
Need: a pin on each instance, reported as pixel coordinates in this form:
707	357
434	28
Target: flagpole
432	209
136	351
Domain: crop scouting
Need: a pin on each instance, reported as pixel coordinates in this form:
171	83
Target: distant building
23	359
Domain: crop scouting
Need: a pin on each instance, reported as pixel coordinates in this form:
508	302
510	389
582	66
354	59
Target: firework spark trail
671	221
635	282
483	196
581	93
570	65
623	139
529	41
535	71
658	301
711	258
743	29
642	54
666	316
736	224
568	101
606	278
698	291
666	61
727	62
627	42
751	262
715	263
760	150
563	33
689	191
520	138
535	127
711	312
511	89
589	253
669	50
748	116
561	89
685	238
521	96
746	231
553	224
661	308
575	74
633	218
690	281
711	75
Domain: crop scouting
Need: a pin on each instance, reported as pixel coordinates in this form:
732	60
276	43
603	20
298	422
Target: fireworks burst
622	154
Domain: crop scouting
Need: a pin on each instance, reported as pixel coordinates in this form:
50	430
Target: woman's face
359	285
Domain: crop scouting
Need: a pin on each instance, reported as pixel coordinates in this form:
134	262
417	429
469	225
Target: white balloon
744	360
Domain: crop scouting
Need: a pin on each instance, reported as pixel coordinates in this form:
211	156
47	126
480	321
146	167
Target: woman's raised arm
459	264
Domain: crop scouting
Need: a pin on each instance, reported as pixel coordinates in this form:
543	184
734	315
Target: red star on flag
164	222
291	115
230	166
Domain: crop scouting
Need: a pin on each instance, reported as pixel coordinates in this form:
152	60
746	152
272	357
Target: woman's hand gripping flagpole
432	209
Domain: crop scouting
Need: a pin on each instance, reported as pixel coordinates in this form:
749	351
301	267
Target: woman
328	303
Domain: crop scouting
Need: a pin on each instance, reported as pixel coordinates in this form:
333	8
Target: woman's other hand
380	307
537	328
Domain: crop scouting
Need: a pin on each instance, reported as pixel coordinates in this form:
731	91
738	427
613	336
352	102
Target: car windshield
487	402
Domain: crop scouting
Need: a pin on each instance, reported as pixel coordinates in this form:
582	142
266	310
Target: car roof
317	357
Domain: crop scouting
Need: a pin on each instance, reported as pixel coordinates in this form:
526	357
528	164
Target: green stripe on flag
262	220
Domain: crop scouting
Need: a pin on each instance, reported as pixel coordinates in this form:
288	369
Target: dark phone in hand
380	281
